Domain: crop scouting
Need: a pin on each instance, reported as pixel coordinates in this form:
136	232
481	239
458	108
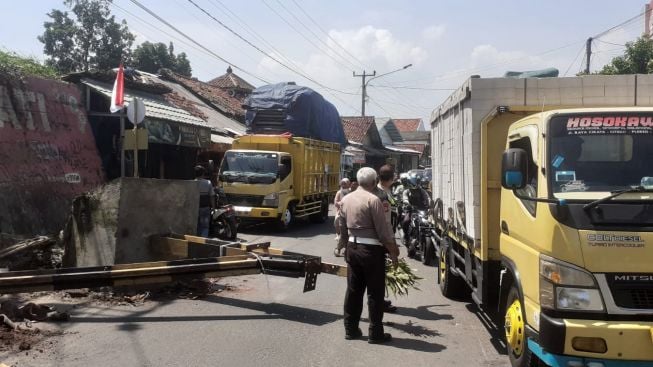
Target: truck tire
515	330
428	252
451	285
323	215
286	220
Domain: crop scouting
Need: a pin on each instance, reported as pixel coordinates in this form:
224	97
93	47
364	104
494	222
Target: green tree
637	59
16	66
151	57
91	39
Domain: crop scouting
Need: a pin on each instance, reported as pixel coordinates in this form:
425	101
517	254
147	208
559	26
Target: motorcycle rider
414	198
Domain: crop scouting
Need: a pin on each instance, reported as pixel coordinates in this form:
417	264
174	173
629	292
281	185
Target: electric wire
316	37
261	50
156	16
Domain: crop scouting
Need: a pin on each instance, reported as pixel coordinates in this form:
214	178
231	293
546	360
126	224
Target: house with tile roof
407	124
233	84
362	134
419	141
403	158
185	123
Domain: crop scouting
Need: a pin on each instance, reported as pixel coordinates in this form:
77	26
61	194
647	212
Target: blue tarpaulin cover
287	107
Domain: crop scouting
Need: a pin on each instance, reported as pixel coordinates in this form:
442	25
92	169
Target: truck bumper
558	360
629	343
254	213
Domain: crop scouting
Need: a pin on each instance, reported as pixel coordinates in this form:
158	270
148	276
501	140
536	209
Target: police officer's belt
365	241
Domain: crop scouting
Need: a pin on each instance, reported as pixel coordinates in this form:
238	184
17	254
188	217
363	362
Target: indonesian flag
118	93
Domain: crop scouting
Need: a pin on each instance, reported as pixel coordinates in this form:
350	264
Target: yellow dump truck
544	212
280	178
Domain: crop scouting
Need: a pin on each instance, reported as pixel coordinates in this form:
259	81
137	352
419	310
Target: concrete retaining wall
113	224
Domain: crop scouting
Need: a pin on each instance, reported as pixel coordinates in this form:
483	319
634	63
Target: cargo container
542	209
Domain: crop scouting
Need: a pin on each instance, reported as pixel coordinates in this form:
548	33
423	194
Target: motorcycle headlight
566	287
271	200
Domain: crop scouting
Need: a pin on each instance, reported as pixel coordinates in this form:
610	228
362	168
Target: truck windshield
250	167
600	152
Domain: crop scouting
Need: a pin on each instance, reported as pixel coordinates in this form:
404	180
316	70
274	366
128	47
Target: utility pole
364	88
588	54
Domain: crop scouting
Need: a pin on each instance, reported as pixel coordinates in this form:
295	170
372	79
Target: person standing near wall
344	190
206	199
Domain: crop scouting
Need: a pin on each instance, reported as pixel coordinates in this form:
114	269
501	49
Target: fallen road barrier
180	257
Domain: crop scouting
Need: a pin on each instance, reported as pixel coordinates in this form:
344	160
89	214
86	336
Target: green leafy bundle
399	279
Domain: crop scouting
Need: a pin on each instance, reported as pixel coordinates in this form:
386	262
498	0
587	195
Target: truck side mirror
514	169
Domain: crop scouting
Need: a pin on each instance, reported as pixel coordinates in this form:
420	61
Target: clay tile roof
230	80
407	124
216	96
356	127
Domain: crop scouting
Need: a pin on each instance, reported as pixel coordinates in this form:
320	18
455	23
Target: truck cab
280	178
576	237
258	183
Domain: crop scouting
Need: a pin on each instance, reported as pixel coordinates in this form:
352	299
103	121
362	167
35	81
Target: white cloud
367	47
486	56
434	32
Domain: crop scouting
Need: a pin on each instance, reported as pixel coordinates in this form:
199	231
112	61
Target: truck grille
244	200
634	298
634	292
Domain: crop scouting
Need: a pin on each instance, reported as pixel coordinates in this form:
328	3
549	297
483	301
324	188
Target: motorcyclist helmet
413	181
403	178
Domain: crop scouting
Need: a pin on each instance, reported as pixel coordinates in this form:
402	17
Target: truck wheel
287	218
428	252
515	328
323	215
451	285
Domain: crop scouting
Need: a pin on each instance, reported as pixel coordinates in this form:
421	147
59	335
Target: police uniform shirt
364	216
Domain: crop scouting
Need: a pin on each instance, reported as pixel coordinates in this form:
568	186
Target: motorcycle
420	245
224	224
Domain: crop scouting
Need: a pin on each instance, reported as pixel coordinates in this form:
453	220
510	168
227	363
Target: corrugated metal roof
221	139
155	106
400	150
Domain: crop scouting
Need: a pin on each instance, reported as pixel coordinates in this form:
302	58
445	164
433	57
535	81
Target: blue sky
446	41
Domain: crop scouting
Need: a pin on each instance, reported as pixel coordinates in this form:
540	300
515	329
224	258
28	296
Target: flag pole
122	143
135	137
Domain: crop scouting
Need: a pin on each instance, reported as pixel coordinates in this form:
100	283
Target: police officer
370	237
384	192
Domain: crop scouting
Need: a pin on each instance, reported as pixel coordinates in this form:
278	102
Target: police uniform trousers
365	270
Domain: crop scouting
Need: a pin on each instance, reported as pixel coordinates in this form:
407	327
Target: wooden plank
334	269
166	248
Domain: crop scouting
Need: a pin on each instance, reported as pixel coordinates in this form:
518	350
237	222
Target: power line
412	88
610	43
362	65
262	51
620	25
147	10
152	26
575	58
328	35
314	35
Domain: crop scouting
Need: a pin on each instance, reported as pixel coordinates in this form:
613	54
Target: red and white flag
118	94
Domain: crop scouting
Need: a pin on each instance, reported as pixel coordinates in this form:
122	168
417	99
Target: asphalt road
269	321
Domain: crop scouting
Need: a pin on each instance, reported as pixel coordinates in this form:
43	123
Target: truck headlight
566	287
271	200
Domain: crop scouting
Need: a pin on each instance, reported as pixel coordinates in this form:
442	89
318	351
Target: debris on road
42	252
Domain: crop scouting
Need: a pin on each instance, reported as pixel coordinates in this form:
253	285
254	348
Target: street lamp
374	76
